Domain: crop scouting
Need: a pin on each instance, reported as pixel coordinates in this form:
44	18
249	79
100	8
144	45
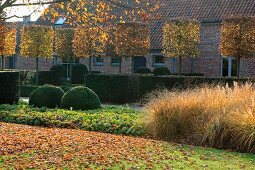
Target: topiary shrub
160	71
80	98
9	87
46	96
78	73
59	69
143	70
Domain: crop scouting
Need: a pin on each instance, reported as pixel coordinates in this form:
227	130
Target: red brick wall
29	63
208	62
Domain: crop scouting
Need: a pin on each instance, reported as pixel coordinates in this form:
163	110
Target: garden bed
25	147
109	119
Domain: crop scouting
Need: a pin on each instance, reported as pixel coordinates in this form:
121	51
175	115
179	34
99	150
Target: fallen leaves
25	147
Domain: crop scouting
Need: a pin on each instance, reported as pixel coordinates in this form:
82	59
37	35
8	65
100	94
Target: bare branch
39	3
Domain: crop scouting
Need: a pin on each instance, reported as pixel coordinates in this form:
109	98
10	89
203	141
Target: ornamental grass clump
219	116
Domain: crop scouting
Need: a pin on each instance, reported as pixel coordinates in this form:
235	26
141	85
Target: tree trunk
37	71
3	62
90	58
191	65
180	66
120	64
71	65
238	66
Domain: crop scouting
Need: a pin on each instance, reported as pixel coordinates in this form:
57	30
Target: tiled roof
202	10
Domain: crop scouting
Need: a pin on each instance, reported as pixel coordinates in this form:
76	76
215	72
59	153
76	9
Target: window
67	63
115	61
229	67
173	65
158	60
98	61
60	21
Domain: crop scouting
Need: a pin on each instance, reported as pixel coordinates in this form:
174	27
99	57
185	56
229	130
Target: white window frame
230	59
157	64
96	63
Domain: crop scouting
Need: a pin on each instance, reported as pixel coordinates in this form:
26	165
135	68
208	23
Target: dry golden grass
218	116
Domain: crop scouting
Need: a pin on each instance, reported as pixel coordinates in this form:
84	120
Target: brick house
210	62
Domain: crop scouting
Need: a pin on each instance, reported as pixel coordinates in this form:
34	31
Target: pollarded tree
238	38
89	42
37	41
7	41
132	39
181	39
63	44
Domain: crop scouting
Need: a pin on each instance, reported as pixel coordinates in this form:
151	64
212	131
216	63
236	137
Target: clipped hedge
46	96
130	88
161	71
26	90
78	73
9	87
49	77
80	98
114	88
59	69
143	70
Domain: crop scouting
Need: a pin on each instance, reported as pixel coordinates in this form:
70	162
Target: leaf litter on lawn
26	147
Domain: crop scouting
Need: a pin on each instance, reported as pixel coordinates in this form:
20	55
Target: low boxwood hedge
9	87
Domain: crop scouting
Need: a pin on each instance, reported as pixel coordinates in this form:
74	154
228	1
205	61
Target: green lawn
26	147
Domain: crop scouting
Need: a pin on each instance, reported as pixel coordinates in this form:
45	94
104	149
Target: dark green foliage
117	120
143	70
49	77
114	88
59	69
95	72
160	71
131	88
78	73
26	90
9	87
80	98
46	96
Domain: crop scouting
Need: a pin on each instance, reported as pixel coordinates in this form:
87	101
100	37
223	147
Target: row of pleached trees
181	38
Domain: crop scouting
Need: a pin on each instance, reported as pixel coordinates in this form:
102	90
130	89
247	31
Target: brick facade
208	63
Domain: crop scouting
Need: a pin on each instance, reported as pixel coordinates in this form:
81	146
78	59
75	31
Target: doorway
139	61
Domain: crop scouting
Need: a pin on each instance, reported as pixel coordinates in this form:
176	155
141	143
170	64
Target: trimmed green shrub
160	71
26	90
80	98
78	73
9	87
59	69
143	70
49	77
114	88
46	96
95	72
